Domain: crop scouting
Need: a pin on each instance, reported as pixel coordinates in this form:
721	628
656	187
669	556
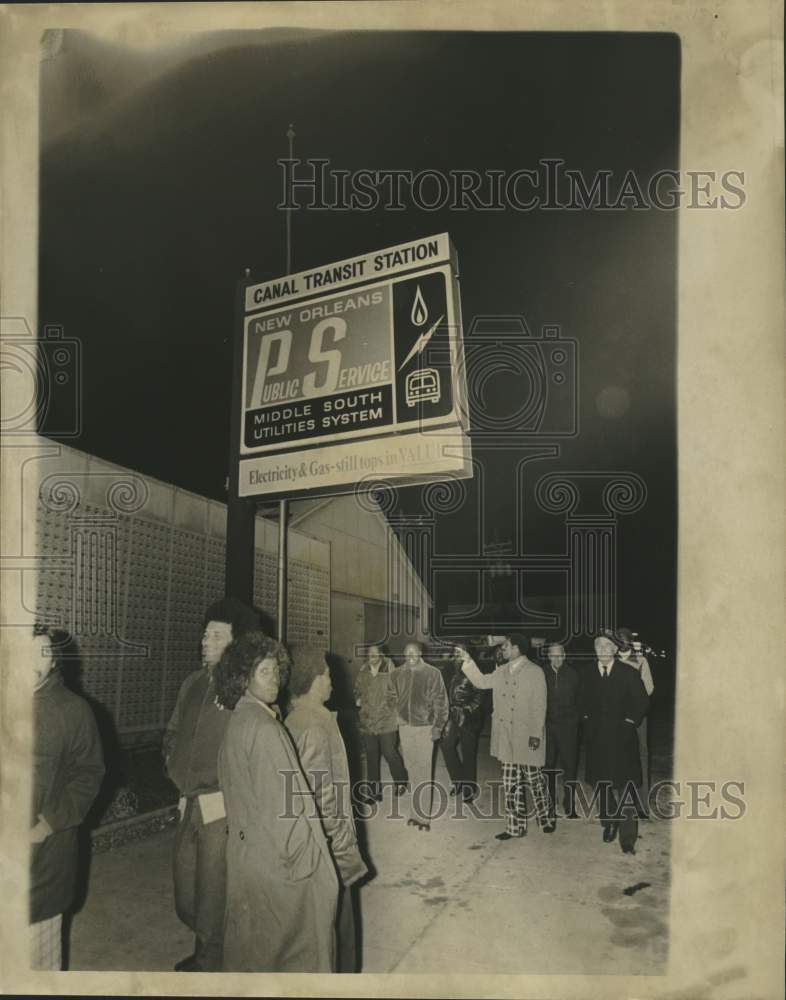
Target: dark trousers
628	824
200	883
562	754
386	745
347	926
461	768
644	756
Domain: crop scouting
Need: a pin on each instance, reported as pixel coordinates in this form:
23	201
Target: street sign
354	371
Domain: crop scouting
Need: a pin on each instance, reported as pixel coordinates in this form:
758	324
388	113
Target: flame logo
419	314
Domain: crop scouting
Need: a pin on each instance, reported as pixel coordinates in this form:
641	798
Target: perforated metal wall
134	589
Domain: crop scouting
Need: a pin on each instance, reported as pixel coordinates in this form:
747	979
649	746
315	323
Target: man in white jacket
518	732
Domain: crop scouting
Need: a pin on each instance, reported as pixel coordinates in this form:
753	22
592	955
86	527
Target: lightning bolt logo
419	346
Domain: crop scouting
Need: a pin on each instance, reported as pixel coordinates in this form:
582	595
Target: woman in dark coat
282	887
68	768
613	703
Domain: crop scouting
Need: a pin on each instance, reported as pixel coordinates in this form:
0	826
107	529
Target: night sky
159	186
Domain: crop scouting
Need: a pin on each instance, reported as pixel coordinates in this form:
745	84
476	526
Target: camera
42	381
520	385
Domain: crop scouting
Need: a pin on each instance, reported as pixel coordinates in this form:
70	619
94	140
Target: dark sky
159	185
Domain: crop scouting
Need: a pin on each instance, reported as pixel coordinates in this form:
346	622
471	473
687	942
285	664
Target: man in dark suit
613	704
562	724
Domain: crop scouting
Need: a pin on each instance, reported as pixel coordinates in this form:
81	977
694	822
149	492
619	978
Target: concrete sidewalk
453	899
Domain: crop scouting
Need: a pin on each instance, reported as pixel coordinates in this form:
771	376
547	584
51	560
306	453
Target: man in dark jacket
562	725
191	745
68	769
378	723
613	704
421	702
467	714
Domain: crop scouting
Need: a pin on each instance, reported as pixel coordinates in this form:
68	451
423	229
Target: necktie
605	673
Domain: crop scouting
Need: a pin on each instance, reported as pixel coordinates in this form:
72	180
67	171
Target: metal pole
241	513
283	505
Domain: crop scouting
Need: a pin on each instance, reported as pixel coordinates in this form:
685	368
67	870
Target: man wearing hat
613	703
518	732
637	660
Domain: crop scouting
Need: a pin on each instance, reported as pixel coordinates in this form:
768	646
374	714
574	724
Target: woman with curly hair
282	887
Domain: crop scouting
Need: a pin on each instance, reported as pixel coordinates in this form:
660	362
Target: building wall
129	564
375	593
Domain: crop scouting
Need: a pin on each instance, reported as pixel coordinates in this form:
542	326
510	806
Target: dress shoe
454	790
609	832
628	849
469	794
509	836
400	789
187	964
550	826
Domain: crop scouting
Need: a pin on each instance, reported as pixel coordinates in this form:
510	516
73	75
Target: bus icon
422	386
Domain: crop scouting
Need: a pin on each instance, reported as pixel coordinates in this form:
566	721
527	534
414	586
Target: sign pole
241	513
283	505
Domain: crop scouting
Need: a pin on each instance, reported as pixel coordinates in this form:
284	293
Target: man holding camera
518	732
629	654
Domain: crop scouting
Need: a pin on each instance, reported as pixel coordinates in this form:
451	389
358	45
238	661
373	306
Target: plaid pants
514	779
45	944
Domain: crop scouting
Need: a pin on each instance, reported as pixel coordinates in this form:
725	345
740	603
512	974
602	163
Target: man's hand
534	742
436	734
40	831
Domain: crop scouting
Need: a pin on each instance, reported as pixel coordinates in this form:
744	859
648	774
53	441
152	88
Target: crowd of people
267	861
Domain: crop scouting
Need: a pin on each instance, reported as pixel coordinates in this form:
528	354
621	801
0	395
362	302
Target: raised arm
646	676
476	677
637	701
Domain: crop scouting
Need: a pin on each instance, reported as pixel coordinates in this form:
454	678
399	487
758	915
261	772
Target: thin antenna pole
291	137
283	505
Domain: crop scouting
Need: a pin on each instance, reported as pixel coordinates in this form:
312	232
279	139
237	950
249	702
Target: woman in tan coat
323	757
282	887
